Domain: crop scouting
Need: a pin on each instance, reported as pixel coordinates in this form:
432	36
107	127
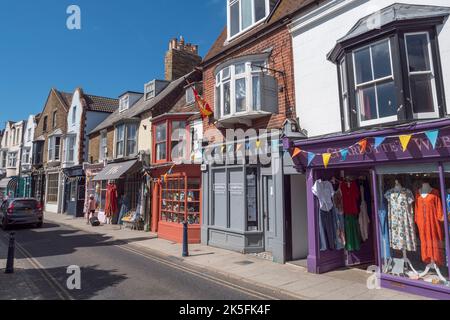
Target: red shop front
176	199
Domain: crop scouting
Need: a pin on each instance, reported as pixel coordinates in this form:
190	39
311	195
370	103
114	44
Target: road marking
199	274
62	293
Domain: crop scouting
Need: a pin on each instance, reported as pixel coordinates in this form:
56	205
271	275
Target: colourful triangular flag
258	144
363	145
404	140
344	154
247	145
223	149
379	141
296	152
326	159
230	148
238	147
433	137
311	157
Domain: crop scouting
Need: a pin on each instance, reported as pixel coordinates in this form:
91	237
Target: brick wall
180	59
94	145
53	104
281	59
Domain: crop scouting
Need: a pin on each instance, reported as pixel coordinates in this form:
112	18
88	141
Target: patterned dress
401	220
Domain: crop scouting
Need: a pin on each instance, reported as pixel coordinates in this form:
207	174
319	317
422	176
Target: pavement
289	280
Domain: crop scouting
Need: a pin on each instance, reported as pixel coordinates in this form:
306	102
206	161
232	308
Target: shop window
180	199
73	191
52	188
412	223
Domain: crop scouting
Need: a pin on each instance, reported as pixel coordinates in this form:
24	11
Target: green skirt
352	234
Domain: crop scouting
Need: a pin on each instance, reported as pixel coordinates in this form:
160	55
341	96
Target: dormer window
244	14
149	91
124	103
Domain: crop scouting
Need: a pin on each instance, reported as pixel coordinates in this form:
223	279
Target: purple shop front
401	180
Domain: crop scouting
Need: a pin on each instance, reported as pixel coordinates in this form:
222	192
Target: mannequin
400	202
425	191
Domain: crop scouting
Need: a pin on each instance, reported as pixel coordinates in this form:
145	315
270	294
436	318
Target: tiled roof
101	104
146	105
284	9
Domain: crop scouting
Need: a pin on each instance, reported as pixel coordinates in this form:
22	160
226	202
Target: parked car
21	212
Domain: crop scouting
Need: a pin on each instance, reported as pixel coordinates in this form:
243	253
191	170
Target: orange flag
296	152
205	109
363	145
326	159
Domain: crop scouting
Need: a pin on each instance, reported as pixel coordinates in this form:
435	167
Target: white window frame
124	103
12	160
70	148
4	159
125	140
248	75
52	149
230	3
26	151
344	93
373	82
423	115
74	115
150	88
103	152
29	132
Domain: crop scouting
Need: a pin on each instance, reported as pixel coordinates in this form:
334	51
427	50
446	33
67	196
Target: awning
9	183
115	171
4	183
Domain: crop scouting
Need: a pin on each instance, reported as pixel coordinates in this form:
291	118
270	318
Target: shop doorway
269	212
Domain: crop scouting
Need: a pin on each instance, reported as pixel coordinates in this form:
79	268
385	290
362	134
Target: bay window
391	74
178	140
126	140
243	88
54	147
161	142
244	14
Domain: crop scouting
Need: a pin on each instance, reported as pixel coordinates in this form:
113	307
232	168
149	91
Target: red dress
111	200
430	220
351	195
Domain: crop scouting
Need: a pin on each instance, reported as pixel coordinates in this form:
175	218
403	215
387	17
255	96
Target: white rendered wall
314	35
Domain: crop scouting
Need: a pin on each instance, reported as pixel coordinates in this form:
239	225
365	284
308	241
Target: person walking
92	207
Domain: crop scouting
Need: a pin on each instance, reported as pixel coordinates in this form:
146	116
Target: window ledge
243	117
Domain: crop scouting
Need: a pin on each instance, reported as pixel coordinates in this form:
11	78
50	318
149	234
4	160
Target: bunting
363	145
378	141
433	137
405	140
326	159
311	157
344	154
296	152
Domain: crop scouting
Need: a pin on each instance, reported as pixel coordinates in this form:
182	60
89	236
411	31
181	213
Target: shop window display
180	199
411	215
344	213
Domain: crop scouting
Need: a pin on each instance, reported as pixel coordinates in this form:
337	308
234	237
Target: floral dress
401	220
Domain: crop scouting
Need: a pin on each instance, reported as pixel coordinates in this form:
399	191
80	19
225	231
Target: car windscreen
25	204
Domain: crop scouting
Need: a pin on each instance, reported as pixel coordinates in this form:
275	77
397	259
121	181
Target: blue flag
311	157
344	154
379	141
433	137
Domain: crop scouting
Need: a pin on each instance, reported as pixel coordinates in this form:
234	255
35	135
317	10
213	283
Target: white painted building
315	33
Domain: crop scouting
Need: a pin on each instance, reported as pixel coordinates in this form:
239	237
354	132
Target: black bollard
11	248
185	240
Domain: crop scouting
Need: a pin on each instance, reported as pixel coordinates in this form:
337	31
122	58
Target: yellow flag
326	159
223	149
404	140
258	144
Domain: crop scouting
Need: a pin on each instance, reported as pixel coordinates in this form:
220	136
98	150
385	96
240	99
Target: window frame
125	140
169	125
74	115
103	145
12	160
70	148
54	156
254	23
124	103
400	70
249	74
26	151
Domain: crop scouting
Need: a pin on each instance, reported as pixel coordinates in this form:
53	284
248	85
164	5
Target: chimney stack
181	59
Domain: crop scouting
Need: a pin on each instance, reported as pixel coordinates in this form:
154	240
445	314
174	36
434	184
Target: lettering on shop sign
423	145
220	188
236	188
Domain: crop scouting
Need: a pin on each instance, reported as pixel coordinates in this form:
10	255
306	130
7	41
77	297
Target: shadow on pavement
56	240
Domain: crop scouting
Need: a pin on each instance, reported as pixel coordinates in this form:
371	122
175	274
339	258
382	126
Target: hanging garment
351	196
340	220
364	220
124	209
429	219
384	230
322	235
111	200
329	227
324	191
402	231
352	234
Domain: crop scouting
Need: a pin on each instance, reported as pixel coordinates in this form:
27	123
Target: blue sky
120	47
